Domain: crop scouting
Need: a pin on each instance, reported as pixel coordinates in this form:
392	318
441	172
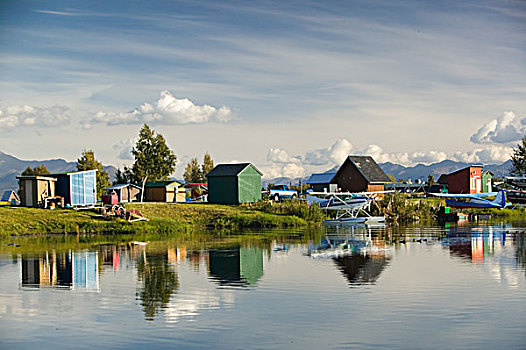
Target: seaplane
348	205
475	200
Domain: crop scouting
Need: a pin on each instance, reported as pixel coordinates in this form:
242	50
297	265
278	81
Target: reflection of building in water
237	266
75	270
362	269
478	246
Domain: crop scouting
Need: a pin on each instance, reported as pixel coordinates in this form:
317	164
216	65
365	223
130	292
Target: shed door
77	189
90	188
479	185
29	193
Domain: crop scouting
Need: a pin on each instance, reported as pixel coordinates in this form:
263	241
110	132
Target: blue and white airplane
475	200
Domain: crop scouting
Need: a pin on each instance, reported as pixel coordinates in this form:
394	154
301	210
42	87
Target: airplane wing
467	195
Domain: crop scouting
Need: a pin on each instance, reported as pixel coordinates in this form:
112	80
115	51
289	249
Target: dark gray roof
230	169
323	178
369	169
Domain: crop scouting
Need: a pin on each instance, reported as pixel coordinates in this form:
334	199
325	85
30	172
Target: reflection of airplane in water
347	205
236	266
475	200
72	270
360	258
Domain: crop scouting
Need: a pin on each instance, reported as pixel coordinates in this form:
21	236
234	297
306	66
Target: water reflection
236	266
159	282
358	254
173	278
73	270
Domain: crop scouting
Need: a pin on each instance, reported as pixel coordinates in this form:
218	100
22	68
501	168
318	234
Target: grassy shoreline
165	218
169	218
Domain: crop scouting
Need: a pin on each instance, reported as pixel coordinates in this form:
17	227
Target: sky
291	86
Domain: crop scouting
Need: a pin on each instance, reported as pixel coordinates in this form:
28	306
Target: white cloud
167	110
124	147
276	155
333	155
287	170
504	129
12	116
488	155
281	164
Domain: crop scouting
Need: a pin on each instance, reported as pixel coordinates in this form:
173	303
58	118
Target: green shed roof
230	169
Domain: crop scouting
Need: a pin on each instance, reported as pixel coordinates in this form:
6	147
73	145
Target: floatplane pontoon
347	205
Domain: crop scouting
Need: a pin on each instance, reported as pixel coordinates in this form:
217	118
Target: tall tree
87	161
208	165
154	160
430	180
518	159
39	170
123	176
192	172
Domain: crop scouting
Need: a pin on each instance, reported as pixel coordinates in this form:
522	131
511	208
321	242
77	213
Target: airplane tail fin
500	199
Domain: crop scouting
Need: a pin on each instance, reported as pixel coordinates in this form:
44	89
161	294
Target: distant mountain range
419	171
422	171
11	167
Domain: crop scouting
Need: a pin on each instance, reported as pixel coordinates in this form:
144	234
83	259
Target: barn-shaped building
234	184
360	174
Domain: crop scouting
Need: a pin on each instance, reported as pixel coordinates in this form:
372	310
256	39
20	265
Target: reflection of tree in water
159	282
520	249
361	269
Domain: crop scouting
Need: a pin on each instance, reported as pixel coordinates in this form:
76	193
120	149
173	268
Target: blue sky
290	86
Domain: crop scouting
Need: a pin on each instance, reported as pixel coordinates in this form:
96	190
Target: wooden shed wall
349	179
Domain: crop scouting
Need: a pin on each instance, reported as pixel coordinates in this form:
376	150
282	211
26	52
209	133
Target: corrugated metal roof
230	169
369	169
119	186
323	178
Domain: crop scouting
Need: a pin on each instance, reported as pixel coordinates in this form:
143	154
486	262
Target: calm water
336	288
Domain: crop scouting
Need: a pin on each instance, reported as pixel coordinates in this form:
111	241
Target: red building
467	180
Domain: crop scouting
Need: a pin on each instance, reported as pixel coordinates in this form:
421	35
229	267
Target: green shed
234	184
487	176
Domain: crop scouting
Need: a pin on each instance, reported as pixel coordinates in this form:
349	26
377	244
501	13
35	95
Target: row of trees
197	173
153	161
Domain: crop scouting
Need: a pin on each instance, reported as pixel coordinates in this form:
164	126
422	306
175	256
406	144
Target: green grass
165	218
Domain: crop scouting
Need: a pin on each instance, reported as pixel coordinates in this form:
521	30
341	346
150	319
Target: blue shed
77	187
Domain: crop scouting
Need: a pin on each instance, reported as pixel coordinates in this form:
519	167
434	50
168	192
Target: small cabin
10	198
322	182
234	184
34	190
487	181
125	192
170	191
78	188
